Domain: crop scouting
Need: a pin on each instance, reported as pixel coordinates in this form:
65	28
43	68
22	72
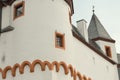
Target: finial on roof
96	30
93	8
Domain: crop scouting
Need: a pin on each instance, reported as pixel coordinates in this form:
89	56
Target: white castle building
38	42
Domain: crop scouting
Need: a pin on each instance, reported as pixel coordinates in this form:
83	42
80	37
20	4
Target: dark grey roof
91	42
94	44
96	29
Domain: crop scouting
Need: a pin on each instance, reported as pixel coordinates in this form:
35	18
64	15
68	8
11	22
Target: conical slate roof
96	30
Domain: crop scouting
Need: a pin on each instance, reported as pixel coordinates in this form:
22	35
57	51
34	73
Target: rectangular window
19	9
108	51
59	40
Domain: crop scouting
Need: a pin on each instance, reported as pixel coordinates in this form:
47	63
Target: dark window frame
108	51
59	40
18	6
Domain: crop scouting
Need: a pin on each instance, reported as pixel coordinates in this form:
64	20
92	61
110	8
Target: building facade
38	41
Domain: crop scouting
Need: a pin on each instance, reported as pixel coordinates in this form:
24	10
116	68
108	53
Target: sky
107	11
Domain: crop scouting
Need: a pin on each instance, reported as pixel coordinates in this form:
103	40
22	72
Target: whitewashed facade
32	38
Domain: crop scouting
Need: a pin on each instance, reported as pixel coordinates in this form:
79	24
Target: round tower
40	29
37	28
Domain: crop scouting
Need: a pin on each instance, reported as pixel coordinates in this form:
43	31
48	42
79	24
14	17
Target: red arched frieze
56	64
15	68
70	68
51	66
89	79
64	65
38	62
85	78
6	69
25	63
75	74
79	76
48	64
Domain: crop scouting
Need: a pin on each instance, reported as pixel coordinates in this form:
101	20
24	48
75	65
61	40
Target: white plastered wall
5	16
34	38
102	45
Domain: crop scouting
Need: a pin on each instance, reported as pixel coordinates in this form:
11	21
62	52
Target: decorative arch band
43	64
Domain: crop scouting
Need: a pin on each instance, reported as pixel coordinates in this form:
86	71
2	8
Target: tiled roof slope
96	29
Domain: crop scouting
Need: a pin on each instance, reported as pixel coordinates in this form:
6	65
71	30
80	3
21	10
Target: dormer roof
96	30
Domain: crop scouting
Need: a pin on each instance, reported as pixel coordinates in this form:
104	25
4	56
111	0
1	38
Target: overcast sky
108	12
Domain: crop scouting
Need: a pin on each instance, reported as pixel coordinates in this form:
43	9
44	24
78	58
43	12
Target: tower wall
34	33
6	16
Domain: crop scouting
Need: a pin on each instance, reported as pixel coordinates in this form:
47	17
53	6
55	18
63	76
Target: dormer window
59	40
19	10
108	51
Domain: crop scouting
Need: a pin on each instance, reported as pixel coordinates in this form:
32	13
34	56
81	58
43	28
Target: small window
59	40
19	10
108	51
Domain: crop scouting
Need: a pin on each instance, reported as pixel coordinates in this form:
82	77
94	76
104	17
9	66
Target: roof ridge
95	22
101	26
96	29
